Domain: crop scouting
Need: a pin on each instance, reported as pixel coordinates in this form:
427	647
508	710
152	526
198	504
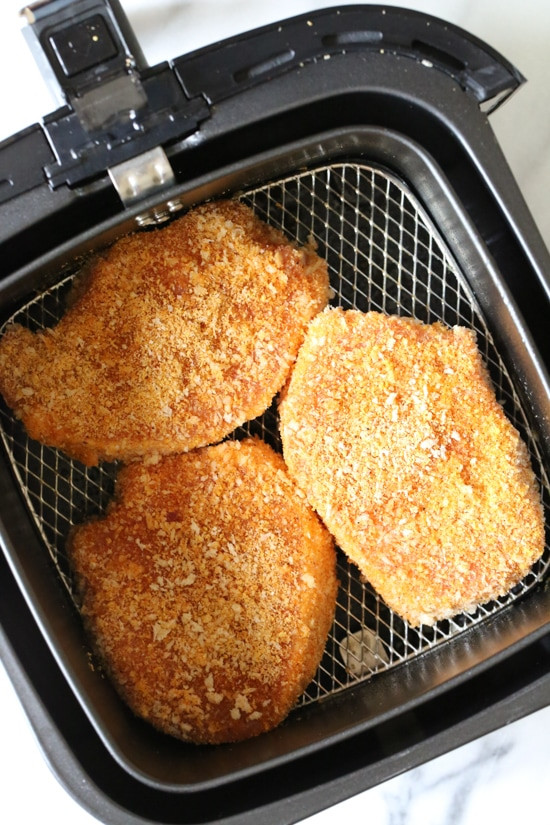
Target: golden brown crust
393	430
209	589
176	337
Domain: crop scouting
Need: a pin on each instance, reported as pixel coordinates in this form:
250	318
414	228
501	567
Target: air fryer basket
400	223
384	254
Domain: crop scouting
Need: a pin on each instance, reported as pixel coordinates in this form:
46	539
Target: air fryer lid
398	238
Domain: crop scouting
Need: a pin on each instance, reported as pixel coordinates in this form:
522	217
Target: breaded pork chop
209	589
392	429
174	338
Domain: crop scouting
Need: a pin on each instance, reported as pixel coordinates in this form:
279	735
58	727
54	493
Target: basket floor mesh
383	254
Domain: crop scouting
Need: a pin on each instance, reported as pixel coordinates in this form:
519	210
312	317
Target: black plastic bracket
115	106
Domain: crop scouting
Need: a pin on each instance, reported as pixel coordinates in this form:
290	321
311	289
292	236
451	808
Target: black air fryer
365	128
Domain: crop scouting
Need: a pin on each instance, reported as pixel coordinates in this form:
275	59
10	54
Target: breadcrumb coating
209	589
392	429
175	337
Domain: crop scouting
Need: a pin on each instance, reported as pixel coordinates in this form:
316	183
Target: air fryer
367	129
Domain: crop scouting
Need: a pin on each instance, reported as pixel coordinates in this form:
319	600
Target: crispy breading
209	589
174	338
392	429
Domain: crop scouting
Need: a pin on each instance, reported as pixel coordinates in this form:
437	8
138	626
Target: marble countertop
500	777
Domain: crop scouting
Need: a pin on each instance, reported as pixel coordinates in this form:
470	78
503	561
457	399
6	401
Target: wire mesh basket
383	254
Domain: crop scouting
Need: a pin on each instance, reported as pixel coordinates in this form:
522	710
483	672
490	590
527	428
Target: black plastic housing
363	82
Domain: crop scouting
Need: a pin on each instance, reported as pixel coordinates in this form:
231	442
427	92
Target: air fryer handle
113	106
81	44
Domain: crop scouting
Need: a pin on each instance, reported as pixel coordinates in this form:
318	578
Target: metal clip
142	176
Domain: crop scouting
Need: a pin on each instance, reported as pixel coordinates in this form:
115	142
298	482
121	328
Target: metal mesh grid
383	254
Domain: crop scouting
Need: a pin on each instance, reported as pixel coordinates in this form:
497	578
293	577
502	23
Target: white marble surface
503	776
